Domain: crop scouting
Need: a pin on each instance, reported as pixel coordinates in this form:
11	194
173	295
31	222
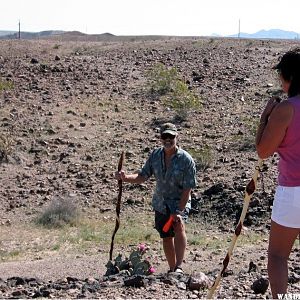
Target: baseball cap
168	128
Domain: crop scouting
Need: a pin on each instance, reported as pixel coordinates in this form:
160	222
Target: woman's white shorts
286	206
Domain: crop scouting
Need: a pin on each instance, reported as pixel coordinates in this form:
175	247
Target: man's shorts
162	219
286	206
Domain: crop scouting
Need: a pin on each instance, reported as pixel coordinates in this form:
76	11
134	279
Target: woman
279	131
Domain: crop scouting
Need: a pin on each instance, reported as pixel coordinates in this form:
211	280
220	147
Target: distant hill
29	35
6	32
270	34
79	36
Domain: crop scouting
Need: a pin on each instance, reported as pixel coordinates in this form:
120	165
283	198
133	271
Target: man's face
168	140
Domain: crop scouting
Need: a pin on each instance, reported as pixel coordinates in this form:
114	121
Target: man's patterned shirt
180	175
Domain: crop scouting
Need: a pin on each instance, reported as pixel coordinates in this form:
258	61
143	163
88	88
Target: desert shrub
56	46
203	158
176	94
161	79
59	213
245	140
6	85
247	144
182	100
5	147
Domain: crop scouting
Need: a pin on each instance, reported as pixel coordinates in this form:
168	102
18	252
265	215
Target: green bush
56	46
203	158
6	85
59	213
161	79
165	82
182	100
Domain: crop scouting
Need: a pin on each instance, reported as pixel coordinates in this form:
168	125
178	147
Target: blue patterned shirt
170	182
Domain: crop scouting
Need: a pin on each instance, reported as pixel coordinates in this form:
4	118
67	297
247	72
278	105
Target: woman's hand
271	104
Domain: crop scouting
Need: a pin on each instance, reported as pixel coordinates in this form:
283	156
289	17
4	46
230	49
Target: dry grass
88	235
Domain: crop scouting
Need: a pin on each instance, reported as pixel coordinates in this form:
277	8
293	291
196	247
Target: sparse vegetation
221	241
203	158
176	94
60	212
56	46
5	147
245	140
161	79
182	100
6	85
85	235
7	255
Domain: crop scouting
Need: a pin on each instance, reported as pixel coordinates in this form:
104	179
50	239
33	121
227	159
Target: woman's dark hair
289	68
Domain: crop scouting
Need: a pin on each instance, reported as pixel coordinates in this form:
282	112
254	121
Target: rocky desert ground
68	110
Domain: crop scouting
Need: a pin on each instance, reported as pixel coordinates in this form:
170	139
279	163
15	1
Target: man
175	174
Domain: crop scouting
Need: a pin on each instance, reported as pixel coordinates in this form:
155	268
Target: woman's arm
272	128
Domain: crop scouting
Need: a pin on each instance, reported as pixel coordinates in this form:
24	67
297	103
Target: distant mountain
29	35
76	35
6	32
269	34
79	36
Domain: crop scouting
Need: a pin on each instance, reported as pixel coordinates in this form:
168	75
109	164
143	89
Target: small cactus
134	265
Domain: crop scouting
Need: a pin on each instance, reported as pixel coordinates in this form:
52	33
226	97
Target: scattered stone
135	281
260	285
198	281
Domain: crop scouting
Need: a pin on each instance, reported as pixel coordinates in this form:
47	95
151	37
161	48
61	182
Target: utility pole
19	30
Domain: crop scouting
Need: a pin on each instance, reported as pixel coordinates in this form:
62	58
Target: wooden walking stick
248	193
118	206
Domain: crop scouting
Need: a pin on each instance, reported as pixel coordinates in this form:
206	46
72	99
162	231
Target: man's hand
120	175
177	217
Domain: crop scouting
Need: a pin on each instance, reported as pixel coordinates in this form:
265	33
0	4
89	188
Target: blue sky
162	17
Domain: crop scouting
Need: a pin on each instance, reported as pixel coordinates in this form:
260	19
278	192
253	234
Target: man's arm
184	199
131	178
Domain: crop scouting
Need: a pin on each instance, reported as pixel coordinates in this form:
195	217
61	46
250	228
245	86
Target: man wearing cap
175	173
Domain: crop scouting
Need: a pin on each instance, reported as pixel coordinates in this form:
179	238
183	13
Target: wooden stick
248	193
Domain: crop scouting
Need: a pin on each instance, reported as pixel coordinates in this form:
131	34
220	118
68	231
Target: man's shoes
178	270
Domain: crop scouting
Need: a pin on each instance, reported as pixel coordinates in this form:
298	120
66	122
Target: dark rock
34	61
135	281
252	267
15	281
260	285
